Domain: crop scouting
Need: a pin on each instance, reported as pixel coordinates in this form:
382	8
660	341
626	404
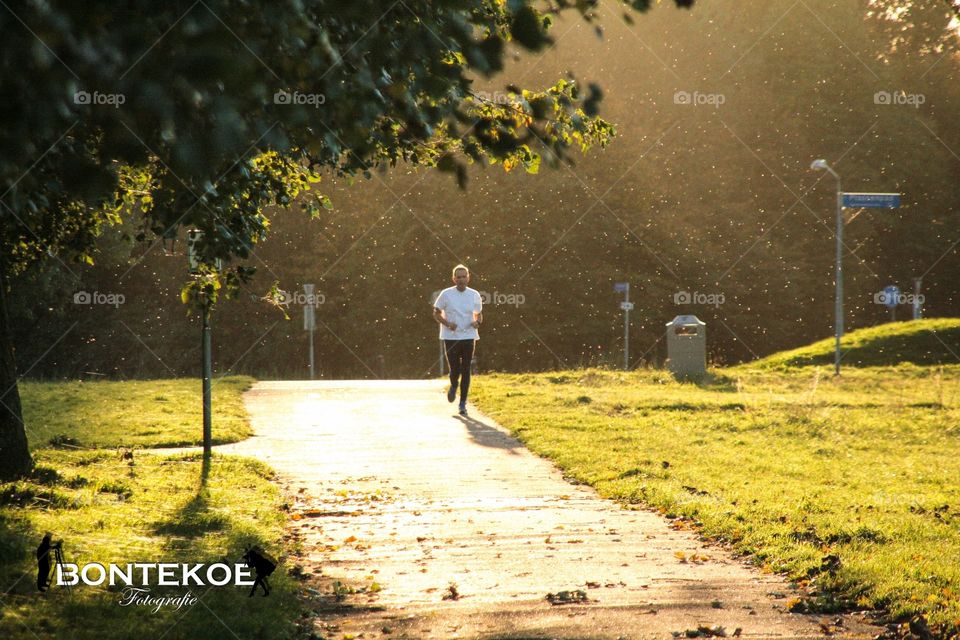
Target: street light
821	165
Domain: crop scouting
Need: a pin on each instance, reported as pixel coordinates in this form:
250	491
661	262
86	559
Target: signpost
849	201
917	304
309	319
626	305
891	297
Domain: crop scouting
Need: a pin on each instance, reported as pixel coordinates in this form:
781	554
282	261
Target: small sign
621	287
626	306
872	200
891	295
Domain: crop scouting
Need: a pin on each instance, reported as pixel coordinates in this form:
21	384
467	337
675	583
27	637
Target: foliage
201	114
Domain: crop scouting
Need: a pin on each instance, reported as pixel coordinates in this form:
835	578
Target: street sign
621	287
872	200
891	295
626	306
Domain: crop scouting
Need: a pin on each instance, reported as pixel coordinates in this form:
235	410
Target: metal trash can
687	347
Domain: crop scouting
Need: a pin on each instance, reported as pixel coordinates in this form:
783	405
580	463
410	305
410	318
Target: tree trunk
15	460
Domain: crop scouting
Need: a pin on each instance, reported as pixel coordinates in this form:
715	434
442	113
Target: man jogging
458	309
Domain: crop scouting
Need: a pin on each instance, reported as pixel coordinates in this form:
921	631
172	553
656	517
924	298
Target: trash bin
687	347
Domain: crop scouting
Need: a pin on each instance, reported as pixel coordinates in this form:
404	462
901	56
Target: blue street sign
873	200
621	287
891	295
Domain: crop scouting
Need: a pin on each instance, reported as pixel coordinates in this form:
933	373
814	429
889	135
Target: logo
686	297
497	298
47	545
696	98
137	579
286	97
112	299
892	299
899	98
263	565
298	297
97	98
495	97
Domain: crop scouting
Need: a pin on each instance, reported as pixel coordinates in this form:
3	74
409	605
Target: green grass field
145	413
160	508
847	485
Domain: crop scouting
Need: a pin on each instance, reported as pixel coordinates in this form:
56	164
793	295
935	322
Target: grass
847	485
145	413
930	341
155	508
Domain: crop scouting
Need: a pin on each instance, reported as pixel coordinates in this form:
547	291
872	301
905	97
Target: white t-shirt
458	307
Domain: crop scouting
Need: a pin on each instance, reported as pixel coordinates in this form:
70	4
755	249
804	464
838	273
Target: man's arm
477	319
438	316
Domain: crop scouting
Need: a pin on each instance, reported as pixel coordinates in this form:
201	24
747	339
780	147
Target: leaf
526	29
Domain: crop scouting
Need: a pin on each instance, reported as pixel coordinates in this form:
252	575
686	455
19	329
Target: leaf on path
452	593
704	631
568	597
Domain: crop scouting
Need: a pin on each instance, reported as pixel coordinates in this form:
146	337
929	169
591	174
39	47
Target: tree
199	114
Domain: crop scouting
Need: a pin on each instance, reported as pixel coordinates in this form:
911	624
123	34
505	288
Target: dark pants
459	355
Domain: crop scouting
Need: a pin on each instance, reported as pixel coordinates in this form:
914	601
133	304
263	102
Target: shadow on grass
487	436
18	544
225	611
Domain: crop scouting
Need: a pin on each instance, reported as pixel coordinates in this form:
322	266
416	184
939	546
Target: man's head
461	276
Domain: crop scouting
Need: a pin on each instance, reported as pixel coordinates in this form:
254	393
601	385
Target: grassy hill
923	342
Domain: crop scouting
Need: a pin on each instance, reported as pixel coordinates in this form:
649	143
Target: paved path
396	499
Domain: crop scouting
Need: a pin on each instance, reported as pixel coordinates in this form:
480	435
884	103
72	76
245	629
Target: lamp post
821	165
